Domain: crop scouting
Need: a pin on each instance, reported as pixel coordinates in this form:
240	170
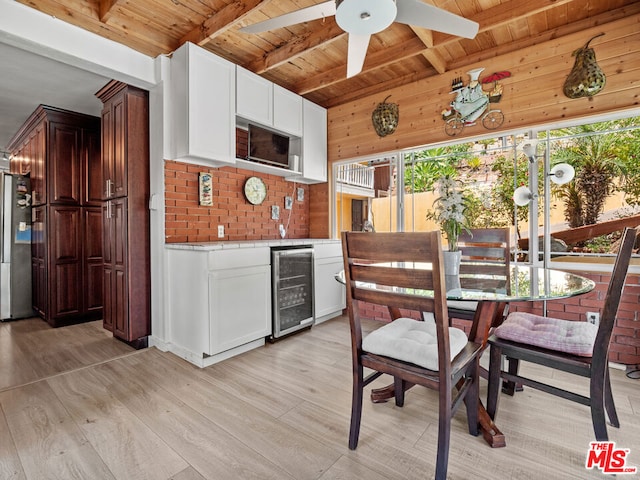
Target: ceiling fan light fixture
379	14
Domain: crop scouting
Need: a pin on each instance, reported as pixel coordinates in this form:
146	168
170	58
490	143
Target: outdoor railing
356	175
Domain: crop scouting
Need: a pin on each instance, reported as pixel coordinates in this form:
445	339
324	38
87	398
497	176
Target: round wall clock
255	190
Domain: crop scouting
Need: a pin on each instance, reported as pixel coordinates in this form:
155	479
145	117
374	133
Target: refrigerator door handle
6	217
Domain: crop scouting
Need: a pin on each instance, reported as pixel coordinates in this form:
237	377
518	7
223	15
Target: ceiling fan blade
419	14
314	12
358	45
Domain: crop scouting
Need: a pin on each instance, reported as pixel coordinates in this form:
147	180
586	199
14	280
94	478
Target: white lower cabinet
239	306
219	302
329	294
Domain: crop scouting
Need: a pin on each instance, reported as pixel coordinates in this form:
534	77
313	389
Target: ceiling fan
362	18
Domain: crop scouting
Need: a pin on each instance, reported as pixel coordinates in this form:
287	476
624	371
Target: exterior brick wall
187	221
625	341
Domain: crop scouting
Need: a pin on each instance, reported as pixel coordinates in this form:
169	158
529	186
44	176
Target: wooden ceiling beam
372	62
555	34
506	13
353	95
492	18
297	46
221	21
105	9
431	55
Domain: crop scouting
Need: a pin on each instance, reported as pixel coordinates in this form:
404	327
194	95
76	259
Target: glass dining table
492	293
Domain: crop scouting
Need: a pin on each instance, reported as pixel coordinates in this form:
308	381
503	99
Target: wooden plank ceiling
310	58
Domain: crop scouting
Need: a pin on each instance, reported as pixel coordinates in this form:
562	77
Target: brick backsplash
187	221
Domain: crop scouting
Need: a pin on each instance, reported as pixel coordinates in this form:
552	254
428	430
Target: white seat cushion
566	336
462	305
412	341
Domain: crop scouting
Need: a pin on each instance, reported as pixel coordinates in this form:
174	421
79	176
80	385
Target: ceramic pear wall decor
586	78
385	118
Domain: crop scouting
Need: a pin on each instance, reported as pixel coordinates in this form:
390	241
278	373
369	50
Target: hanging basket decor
586	78
385	118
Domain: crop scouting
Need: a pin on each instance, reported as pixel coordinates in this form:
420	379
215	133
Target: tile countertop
249	244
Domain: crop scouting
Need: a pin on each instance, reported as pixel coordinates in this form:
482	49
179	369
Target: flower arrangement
450	209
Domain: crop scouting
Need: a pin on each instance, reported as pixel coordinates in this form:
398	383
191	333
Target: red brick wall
625	341
187	221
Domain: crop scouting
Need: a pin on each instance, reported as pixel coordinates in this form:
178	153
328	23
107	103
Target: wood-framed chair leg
513	365
597	412
495	380
356	407
444	436
472	399
609	404
399	386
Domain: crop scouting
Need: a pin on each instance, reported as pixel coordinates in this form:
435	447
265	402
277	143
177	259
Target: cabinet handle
109	188
108	209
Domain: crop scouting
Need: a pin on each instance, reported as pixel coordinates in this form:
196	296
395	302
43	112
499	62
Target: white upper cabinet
287	111
254	97
314	143
202	105
270	105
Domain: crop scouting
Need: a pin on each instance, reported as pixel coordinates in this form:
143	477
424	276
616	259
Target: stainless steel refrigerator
15	247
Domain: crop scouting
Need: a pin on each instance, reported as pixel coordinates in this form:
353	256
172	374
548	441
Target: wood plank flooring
277	412
31	350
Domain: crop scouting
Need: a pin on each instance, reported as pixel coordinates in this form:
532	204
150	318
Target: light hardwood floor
277	412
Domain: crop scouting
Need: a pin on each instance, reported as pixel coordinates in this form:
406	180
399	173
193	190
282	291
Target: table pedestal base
490	432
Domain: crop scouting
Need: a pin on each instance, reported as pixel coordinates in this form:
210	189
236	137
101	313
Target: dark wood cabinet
64	163
61	151
92	260
125	212
38	260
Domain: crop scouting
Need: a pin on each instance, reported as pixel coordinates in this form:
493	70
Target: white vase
451	264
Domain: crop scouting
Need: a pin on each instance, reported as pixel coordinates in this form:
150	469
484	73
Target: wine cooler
292	289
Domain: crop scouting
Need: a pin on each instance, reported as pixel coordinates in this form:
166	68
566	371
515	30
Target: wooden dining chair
484	250
580	348
424	352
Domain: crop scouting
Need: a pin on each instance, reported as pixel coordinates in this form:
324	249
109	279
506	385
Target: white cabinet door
328	292
202	105
240	306
314	142
287	111
254	97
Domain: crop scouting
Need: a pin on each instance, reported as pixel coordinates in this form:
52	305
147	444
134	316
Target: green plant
450	209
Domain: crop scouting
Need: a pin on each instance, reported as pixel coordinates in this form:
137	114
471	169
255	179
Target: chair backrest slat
393	247
485	251
394	276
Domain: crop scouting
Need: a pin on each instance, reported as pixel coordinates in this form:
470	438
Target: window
395	191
